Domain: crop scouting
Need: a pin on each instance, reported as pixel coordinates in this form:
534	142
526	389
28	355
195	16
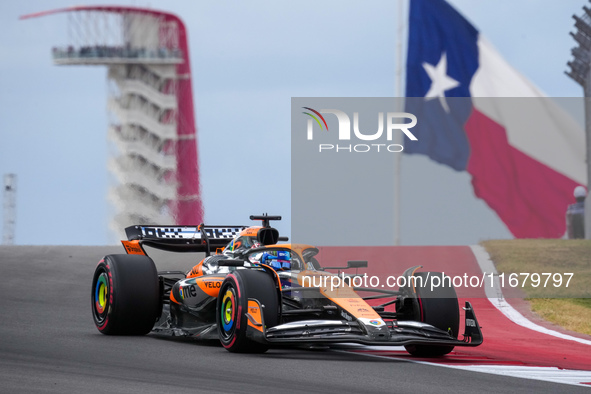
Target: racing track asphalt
48	343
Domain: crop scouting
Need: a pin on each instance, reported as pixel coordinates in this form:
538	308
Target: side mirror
357	264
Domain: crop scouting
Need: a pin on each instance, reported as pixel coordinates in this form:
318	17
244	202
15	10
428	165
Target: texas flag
478	114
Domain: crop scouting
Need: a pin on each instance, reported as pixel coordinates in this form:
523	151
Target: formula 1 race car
254	294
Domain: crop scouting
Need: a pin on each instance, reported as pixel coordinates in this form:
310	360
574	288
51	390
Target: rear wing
202	238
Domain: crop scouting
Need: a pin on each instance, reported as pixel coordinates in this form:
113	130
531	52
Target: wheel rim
101	297
228	313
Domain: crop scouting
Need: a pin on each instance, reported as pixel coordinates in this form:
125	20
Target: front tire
125	295
438	307
232	306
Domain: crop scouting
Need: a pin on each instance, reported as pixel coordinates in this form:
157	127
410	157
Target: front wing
337	331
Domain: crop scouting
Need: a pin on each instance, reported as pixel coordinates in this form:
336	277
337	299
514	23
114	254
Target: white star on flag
440	81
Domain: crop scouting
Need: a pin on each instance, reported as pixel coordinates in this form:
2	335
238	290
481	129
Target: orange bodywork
255	320
173	299
346	298
210	286
197	270
133	247
250	232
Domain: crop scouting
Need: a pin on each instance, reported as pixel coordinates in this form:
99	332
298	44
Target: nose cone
376	329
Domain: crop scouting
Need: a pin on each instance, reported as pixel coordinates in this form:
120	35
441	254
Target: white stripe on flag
539	128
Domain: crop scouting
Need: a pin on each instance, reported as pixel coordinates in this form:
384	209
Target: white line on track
547	374
495	296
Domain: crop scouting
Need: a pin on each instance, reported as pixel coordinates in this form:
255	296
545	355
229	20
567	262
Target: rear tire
438	307
125	295
232	306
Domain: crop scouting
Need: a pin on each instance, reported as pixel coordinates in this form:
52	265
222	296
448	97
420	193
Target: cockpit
286	258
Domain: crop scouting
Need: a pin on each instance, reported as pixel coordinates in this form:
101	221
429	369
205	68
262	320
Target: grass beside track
568	307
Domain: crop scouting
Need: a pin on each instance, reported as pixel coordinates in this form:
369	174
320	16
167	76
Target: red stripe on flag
529	197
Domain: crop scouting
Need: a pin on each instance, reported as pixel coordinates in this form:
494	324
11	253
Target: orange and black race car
254	294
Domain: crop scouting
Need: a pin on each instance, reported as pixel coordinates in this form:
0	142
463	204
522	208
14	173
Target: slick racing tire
232	306
125	295
438	307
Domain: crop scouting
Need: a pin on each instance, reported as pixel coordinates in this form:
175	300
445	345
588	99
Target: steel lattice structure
147	57
580	71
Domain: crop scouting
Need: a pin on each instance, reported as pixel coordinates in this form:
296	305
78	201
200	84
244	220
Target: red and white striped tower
147	57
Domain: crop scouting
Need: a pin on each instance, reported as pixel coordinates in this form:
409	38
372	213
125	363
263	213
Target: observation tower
152	120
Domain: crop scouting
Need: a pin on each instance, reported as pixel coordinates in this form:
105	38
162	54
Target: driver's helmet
281	261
